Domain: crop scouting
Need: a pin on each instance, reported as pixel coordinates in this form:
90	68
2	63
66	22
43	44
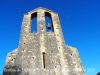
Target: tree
98	73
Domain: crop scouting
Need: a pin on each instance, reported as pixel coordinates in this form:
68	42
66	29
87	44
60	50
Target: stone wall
43	53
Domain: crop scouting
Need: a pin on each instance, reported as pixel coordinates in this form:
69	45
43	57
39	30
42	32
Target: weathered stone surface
43	53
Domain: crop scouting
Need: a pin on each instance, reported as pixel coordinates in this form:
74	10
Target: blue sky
80	21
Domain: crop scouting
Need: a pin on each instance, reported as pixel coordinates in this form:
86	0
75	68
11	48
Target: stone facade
43	53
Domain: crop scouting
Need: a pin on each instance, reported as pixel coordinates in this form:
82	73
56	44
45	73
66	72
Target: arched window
34	22
48	21
44	60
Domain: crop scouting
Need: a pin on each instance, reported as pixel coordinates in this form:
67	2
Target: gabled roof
42	9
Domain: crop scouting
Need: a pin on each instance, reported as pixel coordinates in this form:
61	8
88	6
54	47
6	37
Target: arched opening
44	60
34	22
48	21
